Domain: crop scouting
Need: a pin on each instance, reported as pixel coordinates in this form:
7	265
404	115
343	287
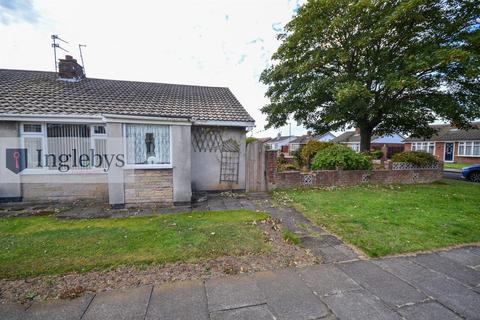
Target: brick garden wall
149	186
330	178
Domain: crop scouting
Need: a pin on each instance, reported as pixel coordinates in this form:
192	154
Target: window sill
148	166
469	156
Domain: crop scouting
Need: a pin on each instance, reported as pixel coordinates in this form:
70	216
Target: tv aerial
56	45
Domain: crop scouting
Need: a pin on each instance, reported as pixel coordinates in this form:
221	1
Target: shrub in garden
376	154
420	158
297	158
281	159
340	156
286	167
250	140
308	151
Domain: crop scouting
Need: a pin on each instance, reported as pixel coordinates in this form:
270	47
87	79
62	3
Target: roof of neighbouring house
286	139
353	137
39	92
302	139
446	132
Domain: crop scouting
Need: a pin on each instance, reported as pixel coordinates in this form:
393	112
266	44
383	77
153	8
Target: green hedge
340	156
419	158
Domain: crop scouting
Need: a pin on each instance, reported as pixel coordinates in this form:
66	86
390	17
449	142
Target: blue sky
210	42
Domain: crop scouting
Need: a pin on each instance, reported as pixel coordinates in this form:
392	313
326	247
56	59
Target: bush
297	158
250	139
286	167
376	154
340	156
281	159
420	158
308	151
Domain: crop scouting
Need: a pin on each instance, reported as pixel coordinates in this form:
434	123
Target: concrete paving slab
233	292
59	309
260	312
359	305
465	256
428	311
454	295
449	267
448	292
12	311
128	304
178	301
406	269
288	297
332	254
327	279
388	287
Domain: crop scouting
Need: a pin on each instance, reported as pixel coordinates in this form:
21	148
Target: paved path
443	285
320	243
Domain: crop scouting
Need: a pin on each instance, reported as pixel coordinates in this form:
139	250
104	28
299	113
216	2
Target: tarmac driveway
442	285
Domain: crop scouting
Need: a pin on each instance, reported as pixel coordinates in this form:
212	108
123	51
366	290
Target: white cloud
212	42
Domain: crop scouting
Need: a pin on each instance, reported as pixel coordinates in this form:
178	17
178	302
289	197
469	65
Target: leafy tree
384	66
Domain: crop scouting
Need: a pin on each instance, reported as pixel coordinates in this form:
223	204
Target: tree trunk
365	139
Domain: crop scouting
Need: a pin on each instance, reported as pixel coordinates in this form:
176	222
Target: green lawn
45	245
396	219
460	166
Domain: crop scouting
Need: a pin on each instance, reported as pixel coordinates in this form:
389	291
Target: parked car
472	173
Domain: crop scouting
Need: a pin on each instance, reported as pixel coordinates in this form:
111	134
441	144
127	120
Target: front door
448	152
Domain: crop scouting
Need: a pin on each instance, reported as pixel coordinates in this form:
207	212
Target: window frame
43	135
464	143
146	165
427	144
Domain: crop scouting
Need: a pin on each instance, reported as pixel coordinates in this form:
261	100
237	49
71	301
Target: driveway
443	285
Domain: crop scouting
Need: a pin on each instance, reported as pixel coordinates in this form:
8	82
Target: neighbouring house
297	143
69	137
450	144
280	143
392	143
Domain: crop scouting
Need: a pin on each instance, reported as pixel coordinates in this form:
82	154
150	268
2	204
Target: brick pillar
271	165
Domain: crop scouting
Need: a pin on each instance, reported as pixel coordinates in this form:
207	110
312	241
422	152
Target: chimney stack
309	133
357	130
69	69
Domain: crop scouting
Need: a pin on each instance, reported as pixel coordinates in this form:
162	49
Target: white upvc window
355	147
469	149
50	145
424	146
148	145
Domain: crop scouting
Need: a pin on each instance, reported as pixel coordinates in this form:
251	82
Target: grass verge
385	220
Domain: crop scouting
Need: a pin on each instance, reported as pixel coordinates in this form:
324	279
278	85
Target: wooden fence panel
255	165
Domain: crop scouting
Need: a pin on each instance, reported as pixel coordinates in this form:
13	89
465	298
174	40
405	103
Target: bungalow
297	143
393	143
280	143
65	137
450	144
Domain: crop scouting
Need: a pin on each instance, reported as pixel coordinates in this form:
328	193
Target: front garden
386	220
46	245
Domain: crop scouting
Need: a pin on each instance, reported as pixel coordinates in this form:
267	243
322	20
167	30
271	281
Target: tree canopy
384	66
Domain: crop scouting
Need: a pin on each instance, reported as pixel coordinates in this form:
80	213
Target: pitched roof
352	137
282	138
446	132
348	136
39	92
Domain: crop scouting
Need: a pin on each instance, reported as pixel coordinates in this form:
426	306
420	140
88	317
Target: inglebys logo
16	159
